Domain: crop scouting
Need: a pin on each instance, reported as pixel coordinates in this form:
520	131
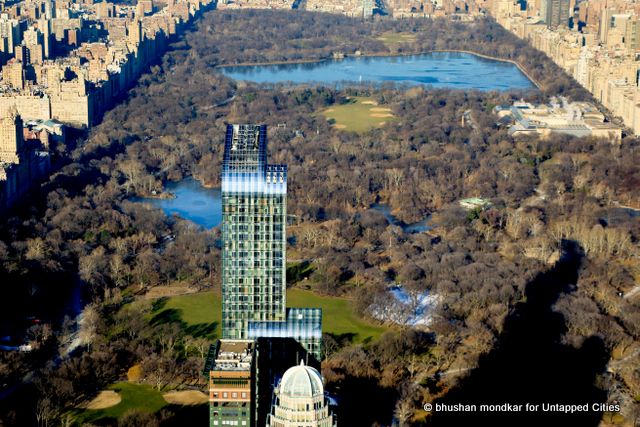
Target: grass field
392	39
134	396
338	317
358	115
201	314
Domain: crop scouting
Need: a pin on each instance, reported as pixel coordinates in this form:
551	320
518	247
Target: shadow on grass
343	339
173	416
169	315
298	271
173	315
159	304
94	418
205	330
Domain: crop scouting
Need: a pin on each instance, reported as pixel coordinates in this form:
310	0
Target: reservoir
454	70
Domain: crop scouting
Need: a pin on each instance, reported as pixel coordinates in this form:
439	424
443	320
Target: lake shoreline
190	200
387	55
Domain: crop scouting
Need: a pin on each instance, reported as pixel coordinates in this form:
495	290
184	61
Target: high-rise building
605	24
44	25
254	212
34	42
254	216
557	13
242	376
49	9
299	400
10	29
105	10
13	73
230	390
632	37
11	139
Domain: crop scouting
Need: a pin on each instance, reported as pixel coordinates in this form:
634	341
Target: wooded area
81	228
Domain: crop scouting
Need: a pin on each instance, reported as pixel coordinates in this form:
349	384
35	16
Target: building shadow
186	415
364	402
531	365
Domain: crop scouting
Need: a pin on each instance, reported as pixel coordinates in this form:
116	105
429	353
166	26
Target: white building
299	400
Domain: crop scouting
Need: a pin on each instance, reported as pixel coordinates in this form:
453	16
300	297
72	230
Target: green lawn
358	115
338	316
201	313
392	39
140	397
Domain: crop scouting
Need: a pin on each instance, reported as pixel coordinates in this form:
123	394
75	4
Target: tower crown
245	149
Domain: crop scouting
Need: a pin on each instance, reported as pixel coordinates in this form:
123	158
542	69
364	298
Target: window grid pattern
254	212
253	233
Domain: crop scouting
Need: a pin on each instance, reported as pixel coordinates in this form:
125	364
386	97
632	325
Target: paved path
454	371
220	104
633	292
616	363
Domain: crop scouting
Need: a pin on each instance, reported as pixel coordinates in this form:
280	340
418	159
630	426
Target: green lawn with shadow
338	315
201	314
140	397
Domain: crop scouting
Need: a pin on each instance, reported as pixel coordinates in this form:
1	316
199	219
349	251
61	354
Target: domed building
299	400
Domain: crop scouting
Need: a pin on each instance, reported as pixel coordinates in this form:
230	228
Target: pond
203	206
416	227
438	69
192	201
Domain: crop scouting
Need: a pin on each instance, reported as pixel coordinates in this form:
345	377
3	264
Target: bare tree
45	412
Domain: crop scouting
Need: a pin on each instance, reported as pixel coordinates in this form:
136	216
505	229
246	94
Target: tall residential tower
254	216
254	212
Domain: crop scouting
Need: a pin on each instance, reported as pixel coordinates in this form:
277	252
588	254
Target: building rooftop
558	116
474	202
233	355
245	148
302	381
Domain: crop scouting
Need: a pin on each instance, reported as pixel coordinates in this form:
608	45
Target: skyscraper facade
254	212
255	319
557	13
231	399
242	375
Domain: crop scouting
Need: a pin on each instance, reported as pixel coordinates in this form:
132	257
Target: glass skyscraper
254	214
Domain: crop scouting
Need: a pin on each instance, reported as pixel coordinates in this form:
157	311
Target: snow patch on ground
404	306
